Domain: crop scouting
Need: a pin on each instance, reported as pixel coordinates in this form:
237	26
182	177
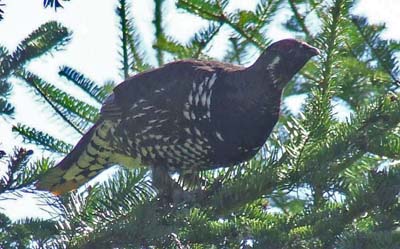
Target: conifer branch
300	19
139	65
159	34
87	85
1	10
34	81
6	108
253	38
333	218
85	111
50	143
53	3
27	232
319	103
237	50
385	145
331	42
5	88
215	12
49	36
121	200
122	13
381	49
205	9
131	58
202	38
350	142
172	46
196	45
19	175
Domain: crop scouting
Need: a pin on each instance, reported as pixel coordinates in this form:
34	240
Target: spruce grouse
184	117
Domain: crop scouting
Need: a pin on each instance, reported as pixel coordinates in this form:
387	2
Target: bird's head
283	59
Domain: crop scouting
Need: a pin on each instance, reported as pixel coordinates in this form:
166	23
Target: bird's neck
272	69
264	82
252	92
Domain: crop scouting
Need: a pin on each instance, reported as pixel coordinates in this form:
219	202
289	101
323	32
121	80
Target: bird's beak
312	51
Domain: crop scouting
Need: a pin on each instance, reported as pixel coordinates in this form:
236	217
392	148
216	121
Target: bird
184	117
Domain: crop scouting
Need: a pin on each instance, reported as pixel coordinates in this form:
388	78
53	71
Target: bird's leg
198	187
192	181
163	182
170	192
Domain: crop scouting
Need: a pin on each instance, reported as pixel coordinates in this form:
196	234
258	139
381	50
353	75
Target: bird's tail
87	159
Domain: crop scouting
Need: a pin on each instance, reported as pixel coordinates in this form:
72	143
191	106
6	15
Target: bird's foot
171	193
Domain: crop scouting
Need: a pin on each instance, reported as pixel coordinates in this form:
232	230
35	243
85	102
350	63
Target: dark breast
243	135
246	114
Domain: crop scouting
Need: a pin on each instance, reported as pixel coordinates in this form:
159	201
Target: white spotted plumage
271	68
199	98
219	136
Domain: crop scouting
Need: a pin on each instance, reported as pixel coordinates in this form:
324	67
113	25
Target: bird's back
175	79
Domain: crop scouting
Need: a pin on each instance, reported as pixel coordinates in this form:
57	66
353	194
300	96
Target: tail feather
88	158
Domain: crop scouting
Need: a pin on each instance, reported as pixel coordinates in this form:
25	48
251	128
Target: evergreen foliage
46	3
47	38
1	10
53	4
88	86
319	181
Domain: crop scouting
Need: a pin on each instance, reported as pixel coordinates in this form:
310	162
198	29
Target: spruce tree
18	174
319	181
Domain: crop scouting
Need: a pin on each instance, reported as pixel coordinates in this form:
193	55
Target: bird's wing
162	86
161	115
